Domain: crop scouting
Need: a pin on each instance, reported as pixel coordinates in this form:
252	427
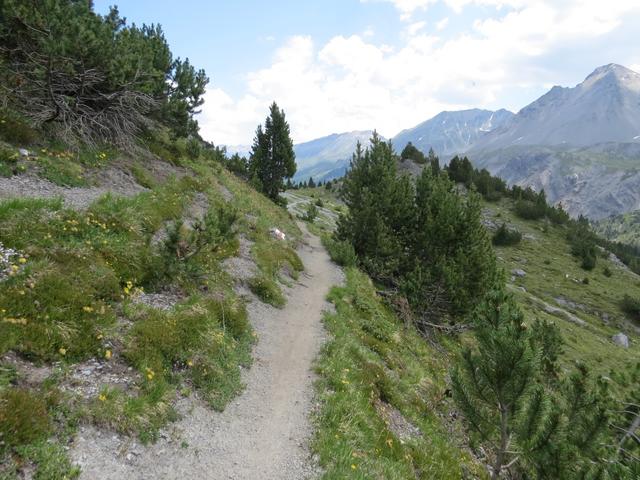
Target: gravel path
264	433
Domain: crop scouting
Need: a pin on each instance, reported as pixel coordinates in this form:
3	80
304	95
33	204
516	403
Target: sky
342	65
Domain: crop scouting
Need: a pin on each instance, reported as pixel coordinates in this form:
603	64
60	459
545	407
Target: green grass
371	360
552	273
267	290
142	175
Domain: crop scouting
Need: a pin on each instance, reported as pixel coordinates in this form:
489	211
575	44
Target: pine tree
311	183
380	210
495	381
272	157
450	250
410	152
433	161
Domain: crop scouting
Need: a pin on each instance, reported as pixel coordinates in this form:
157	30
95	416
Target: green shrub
267	290
14	130
606	271
142	176
505	236
62	171
311	213
631	306
585	280
8	162
51	461
143	414
341	252
23	417
55	310
204	339
529	210
8	375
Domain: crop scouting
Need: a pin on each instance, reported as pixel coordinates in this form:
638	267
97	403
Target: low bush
310	213
15	130
631	306
341	252
23	418
505	236
204	339
267	290
529	210
8	162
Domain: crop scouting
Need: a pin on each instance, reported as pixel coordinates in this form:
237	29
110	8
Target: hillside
128	298
547	283
623	228
450	133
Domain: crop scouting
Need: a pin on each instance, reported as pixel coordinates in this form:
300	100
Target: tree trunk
504	442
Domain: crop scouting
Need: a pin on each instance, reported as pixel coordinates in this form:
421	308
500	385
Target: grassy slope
70	299
623	228
553	273
372	360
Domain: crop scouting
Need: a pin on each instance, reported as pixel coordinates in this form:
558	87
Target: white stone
621	340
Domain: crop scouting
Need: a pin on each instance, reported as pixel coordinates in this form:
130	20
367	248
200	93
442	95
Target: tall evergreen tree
380	209
433	161
451	252
272	157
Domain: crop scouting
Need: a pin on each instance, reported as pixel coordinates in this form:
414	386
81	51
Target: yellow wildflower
22	260
353	466
102	397
189	363
87	309
107	354
63	351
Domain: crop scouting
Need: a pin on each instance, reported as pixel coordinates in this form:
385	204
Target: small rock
24	152
621	340
519	273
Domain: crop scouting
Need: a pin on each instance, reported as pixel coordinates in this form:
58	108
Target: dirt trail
264	433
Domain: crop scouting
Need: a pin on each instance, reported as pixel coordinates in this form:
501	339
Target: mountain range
581	144
328	157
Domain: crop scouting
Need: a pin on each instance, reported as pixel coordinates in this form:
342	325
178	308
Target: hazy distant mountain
581	144
328	157
449	133
603	108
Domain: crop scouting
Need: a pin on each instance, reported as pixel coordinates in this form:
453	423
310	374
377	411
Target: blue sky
342	65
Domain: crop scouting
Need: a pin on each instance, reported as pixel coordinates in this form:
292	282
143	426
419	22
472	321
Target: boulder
519	273
278	234
621	340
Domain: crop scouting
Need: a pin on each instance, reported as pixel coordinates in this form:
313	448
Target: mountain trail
264	433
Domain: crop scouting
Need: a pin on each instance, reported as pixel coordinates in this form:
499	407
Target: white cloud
407	7
352	83
415	28
442	24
